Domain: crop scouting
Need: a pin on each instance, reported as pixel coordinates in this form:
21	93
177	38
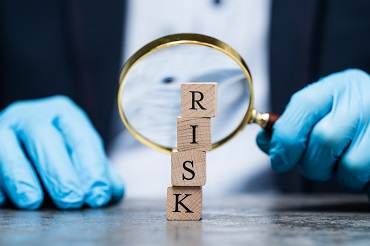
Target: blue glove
65	154
325	129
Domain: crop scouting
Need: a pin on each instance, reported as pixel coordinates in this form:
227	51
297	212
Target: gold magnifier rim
173	40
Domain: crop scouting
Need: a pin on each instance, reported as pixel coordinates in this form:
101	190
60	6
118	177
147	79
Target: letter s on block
189	170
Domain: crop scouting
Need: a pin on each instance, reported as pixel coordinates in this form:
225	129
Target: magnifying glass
150	84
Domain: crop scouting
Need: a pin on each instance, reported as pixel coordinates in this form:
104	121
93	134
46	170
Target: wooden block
194	133
184	203
188	168
198	100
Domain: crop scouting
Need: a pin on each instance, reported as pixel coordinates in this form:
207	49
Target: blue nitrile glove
65	150
326	129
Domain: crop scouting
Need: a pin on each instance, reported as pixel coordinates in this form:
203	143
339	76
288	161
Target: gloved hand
65	154
325	129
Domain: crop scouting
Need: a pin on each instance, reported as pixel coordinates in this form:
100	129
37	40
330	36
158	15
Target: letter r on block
199	100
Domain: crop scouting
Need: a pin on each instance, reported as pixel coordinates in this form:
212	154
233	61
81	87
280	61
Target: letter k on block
184	203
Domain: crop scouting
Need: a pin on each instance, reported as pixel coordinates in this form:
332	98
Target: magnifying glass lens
150	97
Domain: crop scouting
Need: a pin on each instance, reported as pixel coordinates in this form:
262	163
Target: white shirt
243	24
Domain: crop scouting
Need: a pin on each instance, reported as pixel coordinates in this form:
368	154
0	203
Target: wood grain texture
199	99
184	203
194	133
188	168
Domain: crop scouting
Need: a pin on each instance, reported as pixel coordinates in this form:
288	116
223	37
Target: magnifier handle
265	120
271	121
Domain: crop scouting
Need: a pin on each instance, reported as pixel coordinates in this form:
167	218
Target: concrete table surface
239	220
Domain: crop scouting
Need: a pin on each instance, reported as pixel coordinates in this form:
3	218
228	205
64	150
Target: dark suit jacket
73	47
68	47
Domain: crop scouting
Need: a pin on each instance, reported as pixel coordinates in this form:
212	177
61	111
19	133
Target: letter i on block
194	133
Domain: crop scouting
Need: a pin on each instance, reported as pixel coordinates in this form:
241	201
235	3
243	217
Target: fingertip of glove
98	196
309	173
29	200
118	194
263	141
117	185
71	200
2	199
277	163
368	191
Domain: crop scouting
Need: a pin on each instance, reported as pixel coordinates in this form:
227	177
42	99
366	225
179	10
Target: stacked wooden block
188	163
